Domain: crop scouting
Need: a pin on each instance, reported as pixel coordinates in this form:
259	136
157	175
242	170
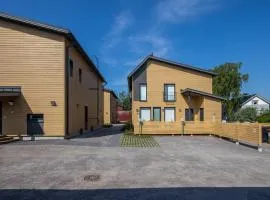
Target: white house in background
260	103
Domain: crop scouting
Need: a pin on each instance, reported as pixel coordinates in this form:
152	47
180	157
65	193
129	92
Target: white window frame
143	93
255	102
169	119
145	109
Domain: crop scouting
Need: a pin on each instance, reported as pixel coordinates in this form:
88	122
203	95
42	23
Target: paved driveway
182	168
102	137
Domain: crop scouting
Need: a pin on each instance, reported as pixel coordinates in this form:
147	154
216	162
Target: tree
264	117
248	114
124	100
228	84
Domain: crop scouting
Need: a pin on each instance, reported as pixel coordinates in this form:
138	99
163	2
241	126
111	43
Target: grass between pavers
143	141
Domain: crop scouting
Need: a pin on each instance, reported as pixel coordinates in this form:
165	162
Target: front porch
8	97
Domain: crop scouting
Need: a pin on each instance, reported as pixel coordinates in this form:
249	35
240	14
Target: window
189	114
70	68
145	114
157	114
201	114
169	114
143	92
255	102
80	75
169	92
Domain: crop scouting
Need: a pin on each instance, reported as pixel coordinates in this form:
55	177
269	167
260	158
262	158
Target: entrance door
1	118
85	117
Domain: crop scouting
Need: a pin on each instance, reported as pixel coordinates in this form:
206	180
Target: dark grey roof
258	96
111	91
189	90
181	65
63	31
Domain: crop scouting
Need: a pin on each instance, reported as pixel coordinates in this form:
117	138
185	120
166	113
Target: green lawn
143	141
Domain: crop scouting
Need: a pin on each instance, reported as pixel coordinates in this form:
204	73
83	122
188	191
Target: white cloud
121	23
115	37
181	10
150	43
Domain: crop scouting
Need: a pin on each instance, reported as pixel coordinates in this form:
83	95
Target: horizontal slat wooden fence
250	133
243	132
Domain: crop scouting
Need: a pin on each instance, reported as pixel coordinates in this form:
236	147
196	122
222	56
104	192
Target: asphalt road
182	168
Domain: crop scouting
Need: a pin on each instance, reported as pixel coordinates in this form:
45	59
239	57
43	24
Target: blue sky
203	33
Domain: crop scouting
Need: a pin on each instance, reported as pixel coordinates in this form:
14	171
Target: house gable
260	100
166	63
45	29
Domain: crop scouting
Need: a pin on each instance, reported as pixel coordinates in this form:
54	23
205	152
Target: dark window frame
189	118
201	114
86	115
71	68
174	113
153	118
146	108
165	96
80	75
143	84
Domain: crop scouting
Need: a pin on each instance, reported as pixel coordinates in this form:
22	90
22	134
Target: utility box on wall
35	124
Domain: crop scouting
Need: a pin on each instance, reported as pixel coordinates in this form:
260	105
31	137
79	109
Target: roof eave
110	91
45	27
258	96
202	93
31	23
86	57
172	63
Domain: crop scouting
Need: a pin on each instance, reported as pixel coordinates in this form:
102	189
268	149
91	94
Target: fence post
237	134
260	138
220	130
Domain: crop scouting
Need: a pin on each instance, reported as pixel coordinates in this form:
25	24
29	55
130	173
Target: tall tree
228	84
124	100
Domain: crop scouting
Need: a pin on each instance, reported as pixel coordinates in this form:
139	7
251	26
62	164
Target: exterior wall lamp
53	103
11	103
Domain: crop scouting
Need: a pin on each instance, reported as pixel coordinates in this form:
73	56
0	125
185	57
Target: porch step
2	138
7	139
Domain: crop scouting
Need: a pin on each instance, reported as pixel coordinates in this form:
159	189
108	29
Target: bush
128	127
264	118
248	114
107	126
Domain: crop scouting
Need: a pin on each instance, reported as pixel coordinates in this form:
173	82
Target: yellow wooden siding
159	74
212	110
34	60
84	94
107	107
110	108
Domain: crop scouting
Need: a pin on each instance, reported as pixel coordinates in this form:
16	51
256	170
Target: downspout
98	100
67	89
98	93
